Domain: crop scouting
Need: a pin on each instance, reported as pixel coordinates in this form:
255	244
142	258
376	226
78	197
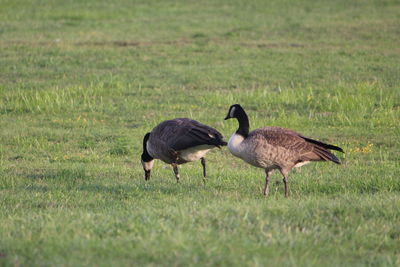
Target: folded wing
303	148
192	133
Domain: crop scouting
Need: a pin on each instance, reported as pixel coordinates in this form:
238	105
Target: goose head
236	111
146	160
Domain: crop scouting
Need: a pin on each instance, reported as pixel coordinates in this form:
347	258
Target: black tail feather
223	143
326	155
218	143
327	146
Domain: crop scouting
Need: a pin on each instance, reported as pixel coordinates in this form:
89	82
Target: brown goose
273	148
179	141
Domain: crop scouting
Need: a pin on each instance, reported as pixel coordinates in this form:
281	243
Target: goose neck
244	126
145	155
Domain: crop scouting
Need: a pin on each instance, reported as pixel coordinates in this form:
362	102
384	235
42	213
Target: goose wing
184	133
303	148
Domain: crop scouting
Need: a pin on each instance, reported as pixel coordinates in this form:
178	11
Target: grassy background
82	81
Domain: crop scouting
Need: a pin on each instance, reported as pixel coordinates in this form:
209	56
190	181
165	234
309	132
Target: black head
234	111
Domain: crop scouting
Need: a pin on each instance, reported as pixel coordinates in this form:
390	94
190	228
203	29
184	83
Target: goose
179	141
274	148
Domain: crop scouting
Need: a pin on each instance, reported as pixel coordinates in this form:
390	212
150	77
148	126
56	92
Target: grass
82	81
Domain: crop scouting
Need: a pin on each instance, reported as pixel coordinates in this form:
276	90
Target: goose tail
219	143
322	151
326	155
324	145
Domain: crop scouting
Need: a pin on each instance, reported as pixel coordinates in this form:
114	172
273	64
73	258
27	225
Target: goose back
179	140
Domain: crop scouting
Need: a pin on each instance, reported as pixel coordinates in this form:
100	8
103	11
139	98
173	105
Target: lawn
81	82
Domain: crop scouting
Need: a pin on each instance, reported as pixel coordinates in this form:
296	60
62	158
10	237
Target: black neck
145	155
243	120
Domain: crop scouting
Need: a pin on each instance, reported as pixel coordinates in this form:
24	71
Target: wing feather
303	148
183	133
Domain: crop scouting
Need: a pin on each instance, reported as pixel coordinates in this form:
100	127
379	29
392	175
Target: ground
81	82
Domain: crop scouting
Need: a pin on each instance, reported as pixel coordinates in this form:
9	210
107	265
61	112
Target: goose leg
176	171
285	181
203	162
267	178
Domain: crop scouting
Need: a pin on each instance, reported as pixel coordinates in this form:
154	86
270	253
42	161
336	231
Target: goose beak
227	117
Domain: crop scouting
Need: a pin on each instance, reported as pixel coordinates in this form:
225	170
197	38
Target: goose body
273	148
179	141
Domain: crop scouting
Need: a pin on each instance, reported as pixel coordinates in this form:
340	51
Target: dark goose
179	141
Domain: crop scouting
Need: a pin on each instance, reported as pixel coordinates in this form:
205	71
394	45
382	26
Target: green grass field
81	82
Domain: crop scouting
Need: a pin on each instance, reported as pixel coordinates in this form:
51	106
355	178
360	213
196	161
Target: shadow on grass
72	181
70	174
77	179
141	189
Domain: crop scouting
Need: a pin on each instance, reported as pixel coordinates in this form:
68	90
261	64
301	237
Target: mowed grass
81	82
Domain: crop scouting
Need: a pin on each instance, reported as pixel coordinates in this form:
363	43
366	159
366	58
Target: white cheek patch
232	112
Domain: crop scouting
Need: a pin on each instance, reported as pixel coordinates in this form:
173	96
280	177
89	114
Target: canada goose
179	141
273	148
